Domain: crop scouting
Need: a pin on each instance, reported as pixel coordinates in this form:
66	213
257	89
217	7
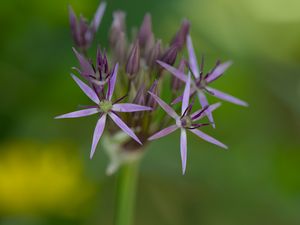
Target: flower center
105	106
186	122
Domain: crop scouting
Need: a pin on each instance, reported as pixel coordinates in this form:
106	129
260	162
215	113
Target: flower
185	121
105	107
83	34
200	83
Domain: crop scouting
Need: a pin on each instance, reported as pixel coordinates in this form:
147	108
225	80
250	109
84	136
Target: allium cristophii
134	70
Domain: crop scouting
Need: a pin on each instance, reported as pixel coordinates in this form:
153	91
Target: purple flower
82	32
185	121
200	83
105	107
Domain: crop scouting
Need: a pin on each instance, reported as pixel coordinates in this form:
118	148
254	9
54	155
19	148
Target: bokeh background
45	174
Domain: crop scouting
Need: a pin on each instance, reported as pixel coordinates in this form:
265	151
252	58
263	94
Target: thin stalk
126	192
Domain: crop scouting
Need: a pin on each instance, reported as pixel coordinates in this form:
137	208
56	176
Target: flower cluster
134	71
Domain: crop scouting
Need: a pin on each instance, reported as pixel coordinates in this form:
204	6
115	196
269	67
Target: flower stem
126	191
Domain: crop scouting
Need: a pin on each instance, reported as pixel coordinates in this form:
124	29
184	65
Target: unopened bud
145	33
170	55
153	54
181	35
133	62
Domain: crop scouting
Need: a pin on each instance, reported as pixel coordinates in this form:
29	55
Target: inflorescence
134	72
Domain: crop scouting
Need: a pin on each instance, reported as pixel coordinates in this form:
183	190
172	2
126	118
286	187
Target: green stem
126	190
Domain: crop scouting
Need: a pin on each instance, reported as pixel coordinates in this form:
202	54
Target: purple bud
181	35
145	33
133	62
73	25
153	54
170	55
151	102
120	49
117	27
140	96
176	83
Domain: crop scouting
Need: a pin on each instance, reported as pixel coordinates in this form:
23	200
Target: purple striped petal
112	82
124	127
98	133
86	89
79	113
208	138
183	147
218	71
204	103
164	106
226	97
176	72
192	57
211	108
98	16
86	67
128	107
186	95
163	132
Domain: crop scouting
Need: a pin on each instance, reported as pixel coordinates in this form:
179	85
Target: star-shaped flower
200	82
105	107
185	121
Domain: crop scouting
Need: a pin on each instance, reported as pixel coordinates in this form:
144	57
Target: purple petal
226	97
179	99
192	57
124	127
86	67
86	89
208	138
79	113
183	147
128	107
112	82
211	108
163	132
164	106
98	16
176	72
218	71
204	103
186	95
97	134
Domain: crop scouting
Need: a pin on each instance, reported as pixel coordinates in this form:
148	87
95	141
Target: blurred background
45	174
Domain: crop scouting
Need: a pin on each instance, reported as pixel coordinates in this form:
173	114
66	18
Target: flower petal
163	132
200	115
192	57
86	89
186	95
98	133
98	16
86	67
208	138
164	106
218	71
79	113
124	127
204	103
129	107
174	71
183	146
226	97
112	82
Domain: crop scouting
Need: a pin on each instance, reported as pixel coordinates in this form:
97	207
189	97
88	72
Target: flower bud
176	83
133	62
170	55
181	35
117	27
151	102
153	54
145	33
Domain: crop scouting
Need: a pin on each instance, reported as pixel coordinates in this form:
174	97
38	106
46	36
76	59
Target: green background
45	174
